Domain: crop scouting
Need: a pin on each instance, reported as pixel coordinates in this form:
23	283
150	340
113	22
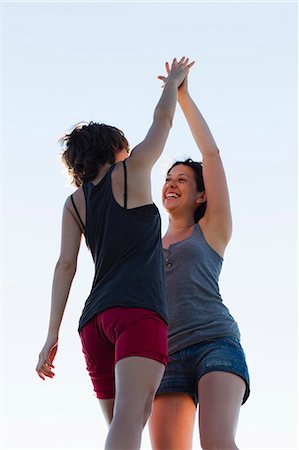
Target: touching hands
179	70
44	366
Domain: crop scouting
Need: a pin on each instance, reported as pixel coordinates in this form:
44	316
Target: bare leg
172	422
220	397
136	382
107	408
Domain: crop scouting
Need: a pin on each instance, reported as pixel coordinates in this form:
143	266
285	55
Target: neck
179	224
103	169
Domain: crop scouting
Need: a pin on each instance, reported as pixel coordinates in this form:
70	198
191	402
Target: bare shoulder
136	164
134	170
75	204
78	197
138	183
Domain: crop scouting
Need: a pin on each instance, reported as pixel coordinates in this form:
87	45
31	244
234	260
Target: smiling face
180	192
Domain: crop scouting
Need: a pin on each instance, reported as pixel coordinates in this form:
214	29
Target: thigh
99	355
220	396
136	382
172	421
223	355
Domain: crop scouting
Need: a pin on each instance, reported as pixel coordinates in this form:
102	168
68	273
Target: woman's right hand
44	366
177	72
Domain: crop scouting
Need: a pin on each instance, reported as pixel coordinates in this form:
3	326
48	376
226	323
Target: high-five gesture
183	86
177	71
148	151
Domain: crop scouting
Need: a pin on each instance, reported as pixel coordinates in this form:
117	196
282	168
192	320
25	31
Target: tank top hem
116	305
191	342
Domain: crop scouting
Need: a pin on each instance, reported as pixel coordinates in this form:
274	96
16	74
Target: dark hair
197	169
87	146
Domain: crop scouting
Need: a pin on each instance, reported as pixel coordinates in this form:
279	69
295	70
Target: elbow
164	119
211	152
65	265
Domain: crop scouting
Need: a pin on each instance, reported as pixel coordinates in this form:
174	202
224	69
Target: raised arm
148	151
217	220
63	276
218	215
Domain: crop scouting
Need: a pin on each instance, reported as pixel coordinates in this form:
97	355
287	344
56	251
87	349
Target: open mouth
172	195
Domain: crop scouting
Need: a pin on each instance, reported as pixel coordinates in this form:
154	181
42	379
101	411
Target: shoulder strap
77	212
126	186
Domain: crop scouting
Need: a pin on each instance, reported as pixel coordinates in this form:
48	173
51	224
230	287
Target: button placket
167	260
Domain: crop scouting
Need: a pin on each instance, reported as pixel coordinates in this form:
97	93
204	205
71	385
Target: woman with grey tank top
207	365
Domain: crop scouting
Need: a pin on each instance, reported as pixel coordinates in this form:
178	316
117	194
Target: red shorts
118	333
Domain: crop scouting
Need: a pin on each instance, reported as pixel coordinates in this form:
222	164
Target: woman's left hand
44	366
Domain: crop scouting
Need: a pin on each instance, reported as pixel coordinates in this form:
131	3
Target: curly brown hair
88	146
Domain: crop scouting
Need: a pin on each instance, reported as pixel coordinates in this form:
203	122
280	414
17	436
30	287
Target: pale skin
220	394
136	378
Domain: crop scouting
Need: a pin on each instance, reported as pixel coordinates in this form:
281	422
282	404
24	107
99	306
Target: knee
148	406
218	443
137	410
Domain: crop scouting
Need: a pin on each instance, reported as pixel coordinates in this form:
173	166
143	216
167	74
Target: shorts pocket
233	341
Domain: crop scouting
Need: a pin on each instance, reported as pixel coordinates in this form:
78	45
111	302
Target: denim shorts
186	367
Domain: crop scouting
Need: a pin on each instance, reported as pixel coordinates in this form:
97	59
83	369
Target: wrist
53	333
171	82
183	96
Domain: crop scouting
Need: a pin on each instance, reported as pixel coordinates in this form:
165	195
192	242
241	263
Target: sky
63	62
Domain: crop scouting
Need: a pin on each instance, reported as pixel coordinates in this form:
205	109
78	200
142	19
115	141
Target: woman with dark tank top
123	326
207	365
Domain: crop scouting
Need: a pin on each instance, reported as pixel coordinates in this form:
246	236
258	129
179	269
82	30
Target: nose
170	183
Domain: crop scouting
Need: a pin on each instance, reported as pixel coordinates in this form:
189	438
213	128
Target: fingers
44	368
190	65
167	67
164	79
183	60
45	371
178	70
49	364
183	63
174	63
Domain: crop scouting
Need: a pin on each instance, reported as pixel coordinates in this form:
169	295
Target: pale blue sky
67	62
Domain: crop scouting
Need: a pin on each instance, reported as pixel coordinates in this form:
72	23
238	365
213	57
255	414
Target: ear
202	198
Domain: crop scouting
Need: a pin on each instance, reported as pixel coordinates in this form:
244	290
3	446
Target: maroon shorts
118	333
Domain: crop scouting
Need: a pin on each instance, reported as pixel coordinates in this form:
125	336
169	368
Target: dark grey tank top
127	251
195	309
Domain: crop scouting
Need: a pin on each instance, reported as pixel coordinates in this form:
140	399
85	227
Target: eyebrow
179	174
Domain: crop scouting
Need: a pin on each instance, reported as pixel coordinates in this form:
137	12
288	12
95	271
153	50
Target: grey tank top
195	309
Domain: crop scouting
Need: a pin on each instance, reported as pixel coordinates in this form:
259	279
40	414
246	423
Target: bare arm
217	222
63	276
148	151
217	218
